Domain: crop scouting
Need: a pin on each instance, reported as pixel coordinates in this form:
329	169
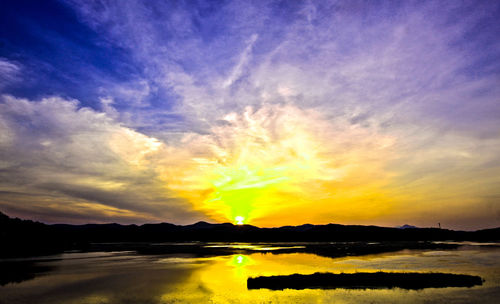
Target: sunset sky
268	113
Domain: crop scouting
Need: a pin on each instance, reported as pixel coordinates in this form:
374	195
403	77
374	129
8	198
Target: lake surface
126	277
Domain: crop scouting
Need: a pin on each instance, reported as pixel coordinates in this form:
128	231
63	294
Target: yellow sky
282	165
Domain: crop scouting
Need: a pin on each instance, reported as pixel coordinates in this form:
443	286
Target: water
125	277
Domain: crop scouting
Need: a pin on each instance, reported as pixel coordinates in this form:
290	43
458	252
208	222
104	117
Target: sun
239	220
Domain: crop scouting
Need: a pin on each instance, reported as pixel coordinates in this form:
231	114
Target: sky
267	113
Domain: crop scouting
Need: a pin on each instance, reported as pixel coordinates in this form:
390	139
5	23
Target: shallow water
125	277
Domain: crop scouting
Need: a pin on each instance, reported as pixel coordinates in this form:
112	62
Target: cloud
237	71
9	72
338	58
66	157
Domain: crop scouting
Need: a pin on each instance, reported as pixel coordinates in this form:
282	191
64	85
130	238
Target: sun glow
240	260
239	220
280	159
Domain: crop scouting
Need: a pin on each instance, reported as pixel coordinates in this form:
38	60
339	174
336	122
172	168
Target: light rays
262	163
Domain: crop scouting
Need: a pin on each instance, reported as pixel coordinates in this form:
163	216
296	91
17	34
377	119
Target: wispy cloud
9	72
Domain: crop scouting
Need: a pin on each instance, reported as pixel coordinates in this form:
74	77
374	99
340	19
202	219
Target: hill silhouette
25	237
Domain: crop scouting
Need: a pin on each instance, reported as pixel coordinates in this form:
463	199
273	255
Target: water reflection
255	247
130	278
19	271
240	260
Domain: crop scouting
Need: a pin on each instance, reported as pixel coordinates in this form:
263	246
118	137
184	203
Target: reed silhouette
404	280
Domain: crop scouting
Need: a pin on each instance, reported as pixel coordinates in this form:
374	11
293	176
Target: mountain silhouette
25	237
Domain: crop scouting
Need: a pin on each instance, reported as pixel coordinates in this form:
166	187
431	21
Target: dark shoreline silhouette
404	280
19	271
21	238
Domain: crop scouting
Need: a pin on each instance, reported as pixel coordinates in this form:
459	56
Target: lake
127	277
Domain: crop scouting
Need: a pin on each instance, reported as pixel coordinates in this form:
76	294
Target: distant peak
406	226
201	224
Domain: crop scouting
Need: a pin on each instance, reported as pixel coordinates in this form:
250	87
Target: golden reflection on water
223	280
114	279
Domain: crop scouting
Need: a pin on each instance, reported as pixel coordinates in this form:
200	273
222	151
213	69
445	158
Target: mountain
24	237
406	226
